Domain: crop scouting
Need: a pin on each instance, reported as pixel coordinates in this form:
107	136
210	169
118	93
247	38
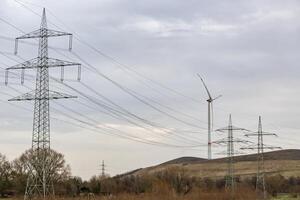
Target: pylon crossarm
255	147
51	62
268	133
31	96
24	65
35	63
233	128
248	148
235	140
43	33
264	146
261	133
233	153
271	148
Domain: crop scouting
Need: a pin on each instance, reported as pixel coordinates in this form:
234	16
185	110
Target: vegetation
173	183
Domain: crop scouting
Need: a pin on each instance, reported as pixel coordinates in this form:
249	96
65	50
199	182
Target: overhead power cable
18	91
168	132
116	61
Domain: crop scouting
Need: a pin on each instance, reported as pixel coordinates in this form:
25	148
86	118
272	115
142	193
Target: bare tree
56	165
5	174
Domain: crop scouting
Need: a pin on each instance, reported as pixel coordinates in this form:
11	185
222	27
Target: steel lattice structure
229	141
260	147
103	169
39	183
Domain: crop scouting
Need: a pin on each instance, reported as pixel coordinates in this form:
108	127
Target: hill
185	160
284	162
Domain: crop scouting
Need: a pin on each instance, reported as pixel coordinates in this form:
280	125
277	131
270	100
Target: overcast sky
248	51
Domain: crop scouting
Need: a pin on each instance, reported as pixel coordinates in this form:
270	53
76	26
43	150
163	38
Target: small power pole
39	182
260	147
229	141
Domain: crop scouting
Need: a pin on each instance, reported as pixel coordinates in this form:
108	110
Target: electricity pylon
229	141
260	147
210	116
103	169
39	183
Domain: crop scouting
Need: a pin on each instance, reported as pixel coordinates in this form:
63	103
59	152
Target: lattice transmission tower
103	169
230	141
260	147
39	183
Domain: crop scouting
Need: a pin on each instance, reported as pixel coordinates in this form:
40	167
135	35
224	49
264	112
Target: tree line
13	177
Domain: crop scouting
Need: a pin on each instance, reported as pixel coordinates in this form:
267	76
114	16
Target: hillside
284	162
185	160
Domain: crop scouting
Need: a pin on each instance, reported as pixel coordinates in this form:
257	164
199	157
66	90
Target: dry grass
160	194
245	168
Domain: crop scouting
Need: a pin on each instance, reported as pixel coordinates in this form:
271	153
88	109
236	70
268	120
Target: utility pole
210	118
39	182
229	141
260	146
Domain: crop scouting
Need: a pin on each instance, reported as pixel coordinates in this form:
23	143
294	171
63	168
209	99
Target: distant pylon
210	121
260	146
229	141
39	182
103	169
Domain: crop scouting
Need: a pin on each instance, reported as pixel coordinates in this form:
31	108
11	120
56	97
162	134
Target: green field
286	197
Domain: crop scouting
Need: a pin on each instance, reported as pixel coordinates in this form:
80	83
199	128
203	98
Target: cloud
171	28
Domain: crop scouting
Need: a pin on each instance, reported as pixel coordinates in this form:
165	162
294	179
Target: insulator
6	77
70	42
79	73
16	46
22	76
62	73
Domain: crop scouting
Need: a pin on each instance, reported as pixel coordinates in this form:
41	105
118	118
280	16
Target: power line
121	65
135	95
106	99
118	85
187	139
95	125
97	103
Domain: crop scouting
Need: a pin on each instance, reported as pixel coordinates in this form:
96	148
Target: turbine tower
260	147
210	117
39	183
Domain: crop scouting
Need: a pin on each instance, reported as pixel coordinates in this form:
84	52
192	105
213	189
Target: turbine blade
208	93
217	97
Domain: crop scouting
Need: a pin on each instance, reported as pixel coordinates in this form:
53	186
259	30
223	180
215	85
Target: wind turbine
210	117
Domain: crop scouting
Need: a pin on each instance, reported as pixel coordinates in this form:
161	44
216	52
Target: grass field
217	170
286	197
244	195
